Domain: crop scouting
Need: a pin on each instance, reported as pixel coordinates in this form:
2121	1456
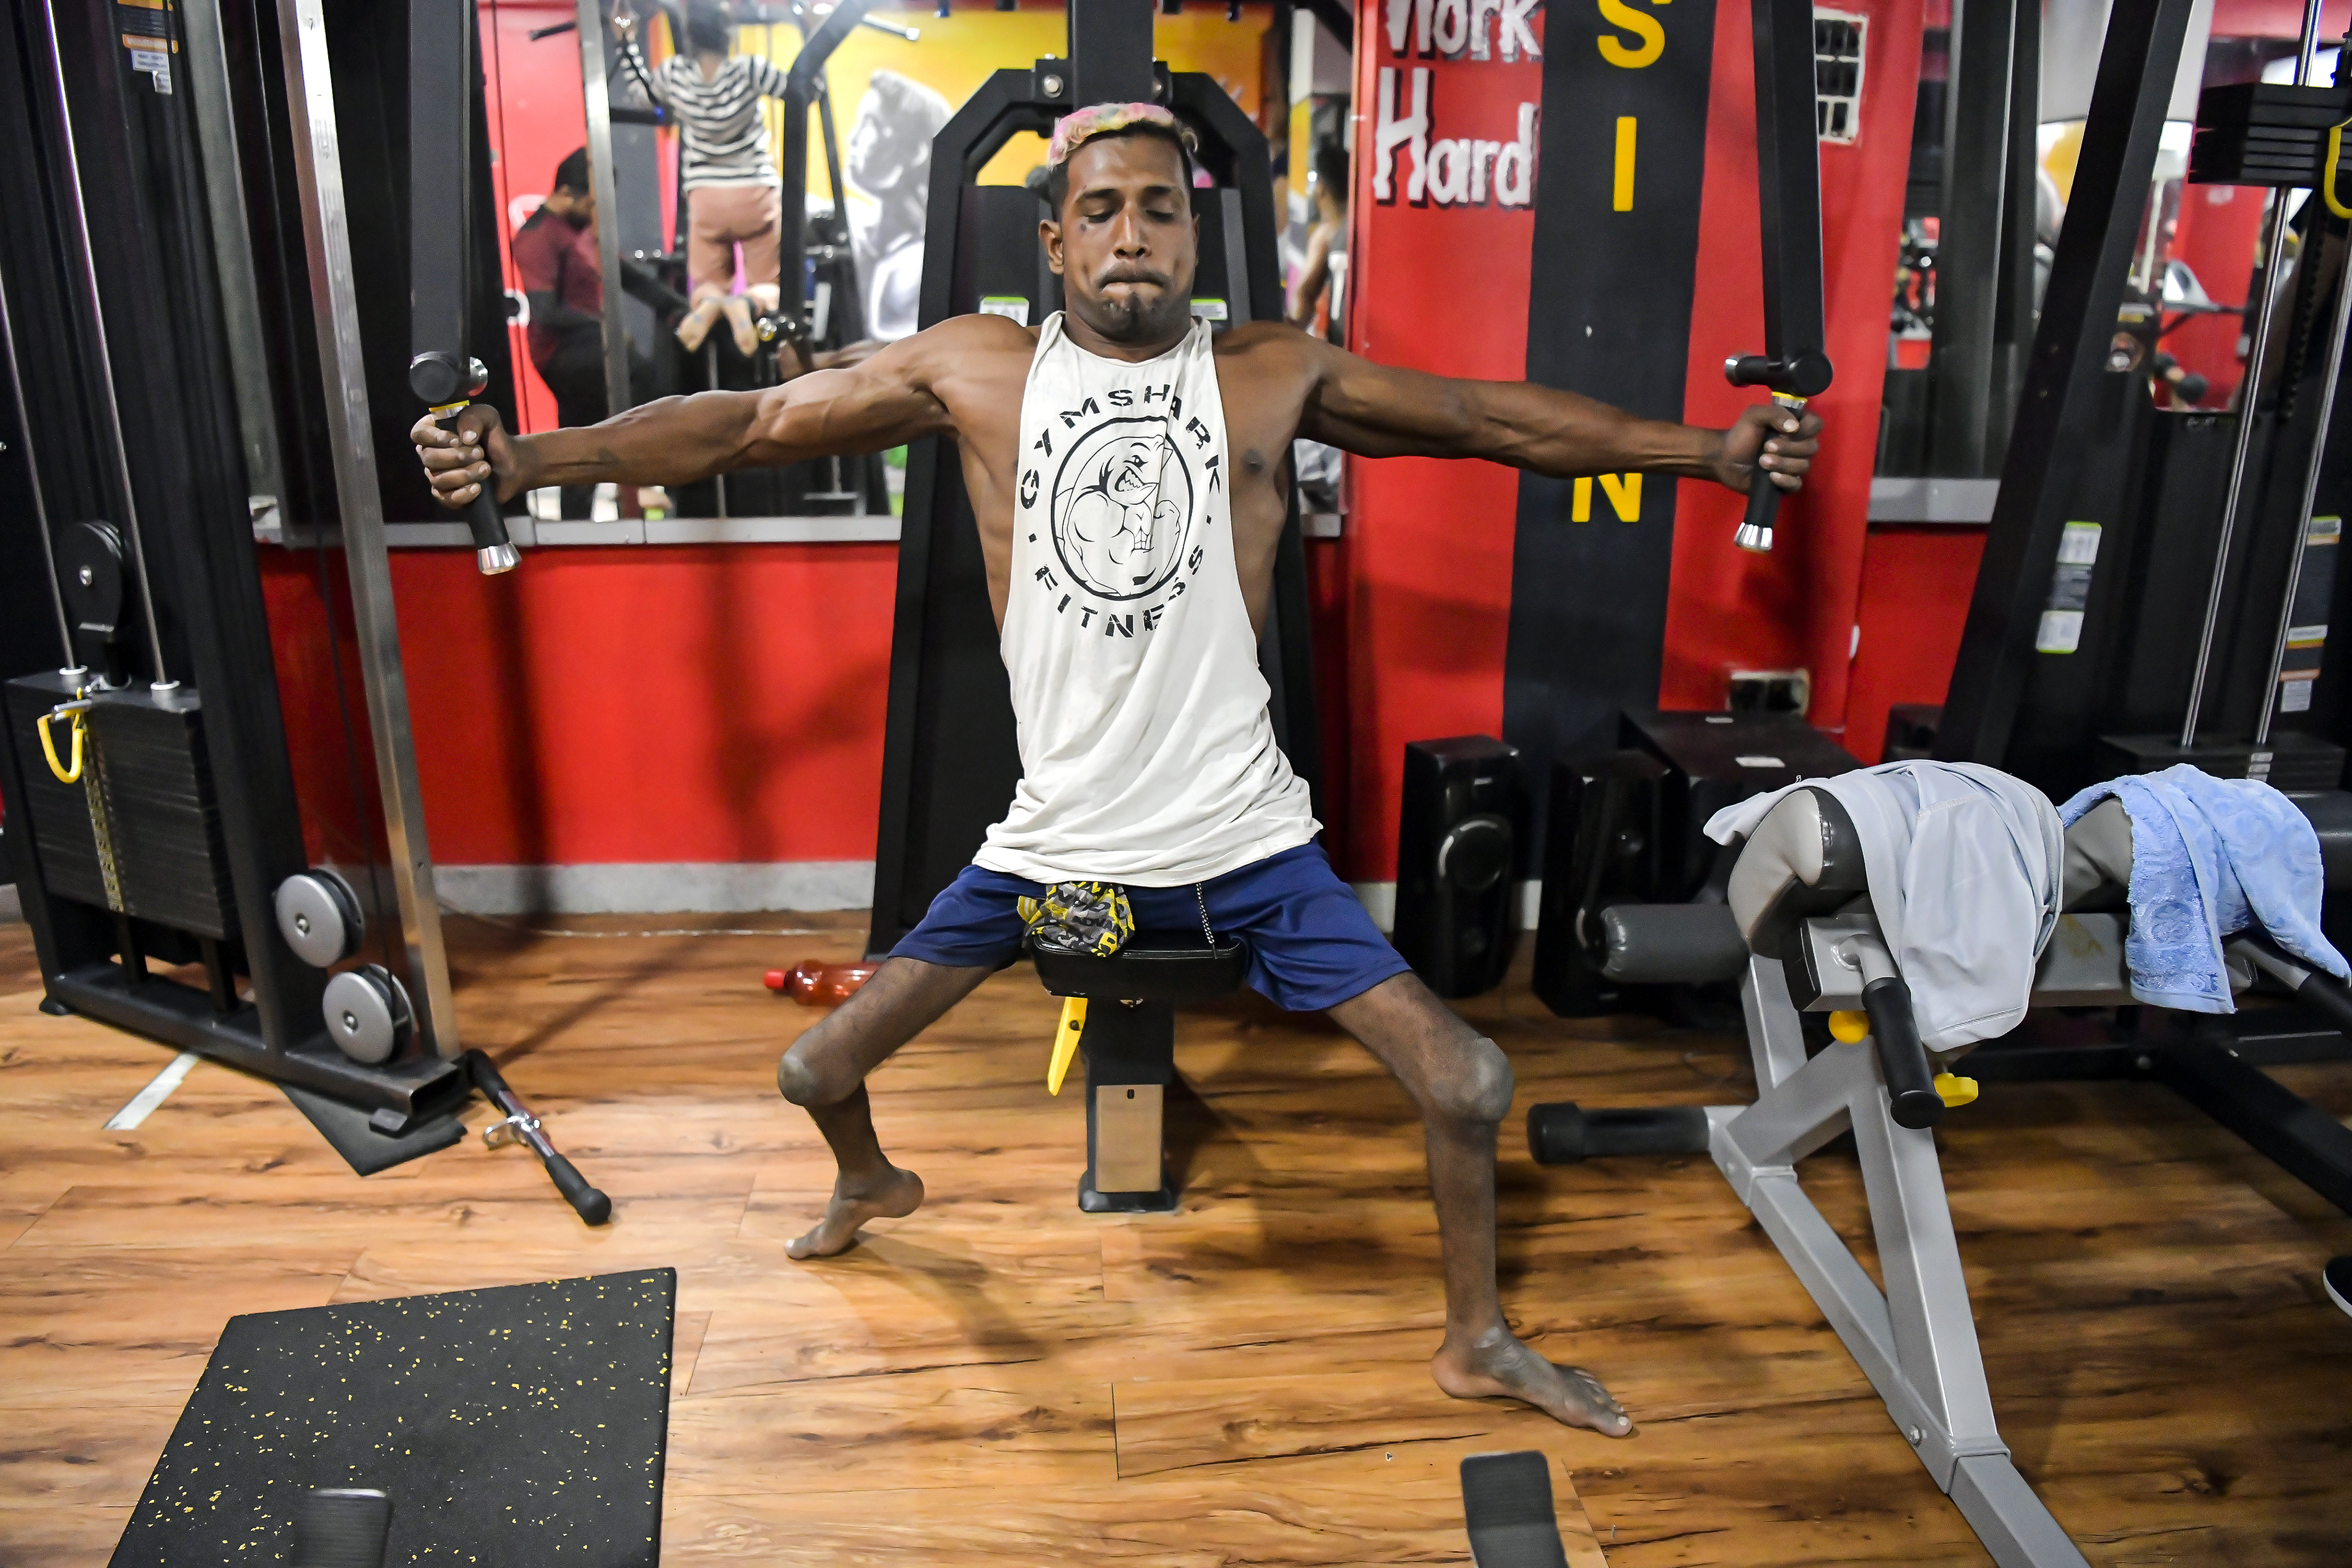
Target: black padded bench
1130	1046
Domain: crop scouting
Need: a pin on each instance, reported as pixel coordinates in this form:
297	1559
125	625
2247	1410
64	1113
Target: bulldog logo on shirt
1122	507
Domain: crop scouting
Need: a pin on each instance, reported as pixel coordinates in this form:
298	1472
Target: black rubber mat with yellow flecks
524	1423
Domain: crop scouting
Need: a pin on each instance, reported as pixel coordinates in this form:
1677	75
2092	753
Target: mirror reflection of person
1318	303
556	260
890	159
1323	274
733	194
1189	804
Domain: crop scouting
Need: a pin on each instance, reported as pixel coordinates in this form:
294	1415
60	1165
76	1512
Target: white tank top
1147	756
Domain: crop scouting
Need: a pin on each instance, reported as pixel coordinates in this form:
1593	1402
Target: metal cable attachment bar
2310	492
2249	396
108	404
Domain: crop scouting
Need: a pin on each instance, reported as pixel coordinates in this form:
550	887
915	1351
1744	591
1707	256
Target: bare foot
894	1197
1497	1365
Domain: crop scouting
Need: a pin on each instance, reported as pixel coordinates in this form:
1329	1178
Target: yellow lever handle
2327	180
1065	1041
1954	1090
65	775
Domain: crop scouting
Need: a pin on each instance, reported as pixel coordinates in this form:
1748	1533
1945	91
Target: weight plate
319	915
367	1013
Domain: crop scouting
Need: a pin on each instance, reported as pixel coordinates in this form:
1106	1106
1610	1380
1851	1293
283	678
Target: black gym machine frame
949	760
157	203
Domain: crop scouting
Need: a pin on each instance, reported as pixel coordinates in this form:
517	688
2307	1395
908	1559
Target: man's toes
824	1239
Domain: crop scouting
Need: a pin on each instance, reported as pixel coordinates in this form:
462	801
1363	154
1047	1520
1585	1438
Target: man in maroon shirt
555	256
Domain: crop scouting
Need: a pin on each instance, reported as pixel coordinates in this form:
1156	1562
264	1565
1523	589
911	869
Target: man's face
869	139
577	208
1126	245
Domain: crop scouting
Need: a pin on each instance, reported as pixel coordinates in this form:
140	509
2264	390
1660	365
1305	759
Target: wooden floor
1002	1380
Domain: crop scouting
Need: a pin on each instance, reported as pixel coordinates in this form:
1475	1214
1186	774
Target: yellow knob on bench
1955	1090
1065	1041
1849	1027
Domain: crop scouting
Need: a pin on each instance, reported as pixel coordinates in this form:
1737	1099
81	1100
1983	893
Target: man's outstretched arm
883	401
1378	411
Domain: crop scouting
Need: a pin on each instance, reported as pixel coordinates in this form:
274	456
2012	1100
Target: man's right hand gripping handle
468	460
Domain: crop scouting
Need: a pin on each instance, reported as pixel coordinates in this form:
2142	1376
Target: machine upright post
2051	429
1110	53
1793	366
334	299
1968	261
597	87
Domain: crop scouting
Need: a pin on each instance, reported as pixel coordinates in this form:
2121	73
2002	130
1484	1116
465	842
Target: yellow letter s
1642	25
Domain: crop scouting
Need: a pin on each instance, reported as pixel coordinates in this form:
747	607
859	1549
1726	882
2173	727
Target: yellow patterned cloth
1079	917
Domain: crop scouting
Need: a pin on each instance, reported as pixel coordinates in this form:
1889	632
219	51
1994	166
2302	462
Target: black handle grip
483	518
594	1206
483	1074
1763	502
1904	1060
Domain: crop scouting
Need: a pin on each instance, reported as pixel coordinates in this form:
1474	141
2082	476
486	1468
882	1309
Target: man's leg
1462	1082
825	1073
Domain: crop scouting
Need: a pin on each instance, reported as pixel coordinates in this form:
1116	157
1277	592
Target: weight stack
2264	133
140	832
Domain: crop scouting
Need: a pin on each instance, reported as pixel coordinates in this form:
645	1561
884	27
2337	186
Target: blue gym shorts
1311	945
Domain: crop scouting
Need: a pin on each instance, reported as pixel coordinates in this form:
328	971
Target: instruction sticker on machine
2307	628
151	33
2061	629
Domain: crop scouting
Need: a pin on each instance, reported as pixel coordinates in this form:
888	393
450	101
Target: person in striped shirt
733	193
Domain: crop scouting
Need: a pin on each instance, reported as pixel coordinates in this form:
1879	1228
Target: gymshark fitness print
1120	505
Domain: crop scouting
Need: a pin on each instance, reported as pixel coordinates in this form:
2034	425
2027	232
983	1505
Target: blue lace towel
2212	857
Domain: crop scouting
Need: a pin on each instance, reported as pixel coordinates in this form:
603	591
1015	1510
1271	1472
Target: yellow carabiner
81	728
2327	176
1065	1041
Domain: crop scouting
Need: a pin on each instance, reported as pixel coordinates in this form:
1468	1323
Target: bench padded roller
1670	943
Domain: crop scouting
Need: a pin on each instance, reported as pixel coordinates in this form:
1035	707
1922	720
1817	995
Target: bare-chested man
1126	470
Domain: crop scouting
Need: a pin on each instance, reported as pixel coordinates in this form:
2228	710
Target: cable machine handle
1791	386
448	386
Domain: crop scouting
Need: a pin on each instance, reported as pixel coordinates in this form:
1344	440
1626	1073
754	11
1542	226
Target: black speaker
1455	842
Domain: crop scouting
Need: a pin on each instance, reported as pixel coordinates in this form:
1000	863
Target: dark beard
1132	319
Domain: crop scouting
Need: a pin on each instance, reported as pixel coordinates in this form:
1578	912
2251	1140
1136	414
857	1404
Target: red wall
657	704
537	117
1423	589
1916	584
1424	584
